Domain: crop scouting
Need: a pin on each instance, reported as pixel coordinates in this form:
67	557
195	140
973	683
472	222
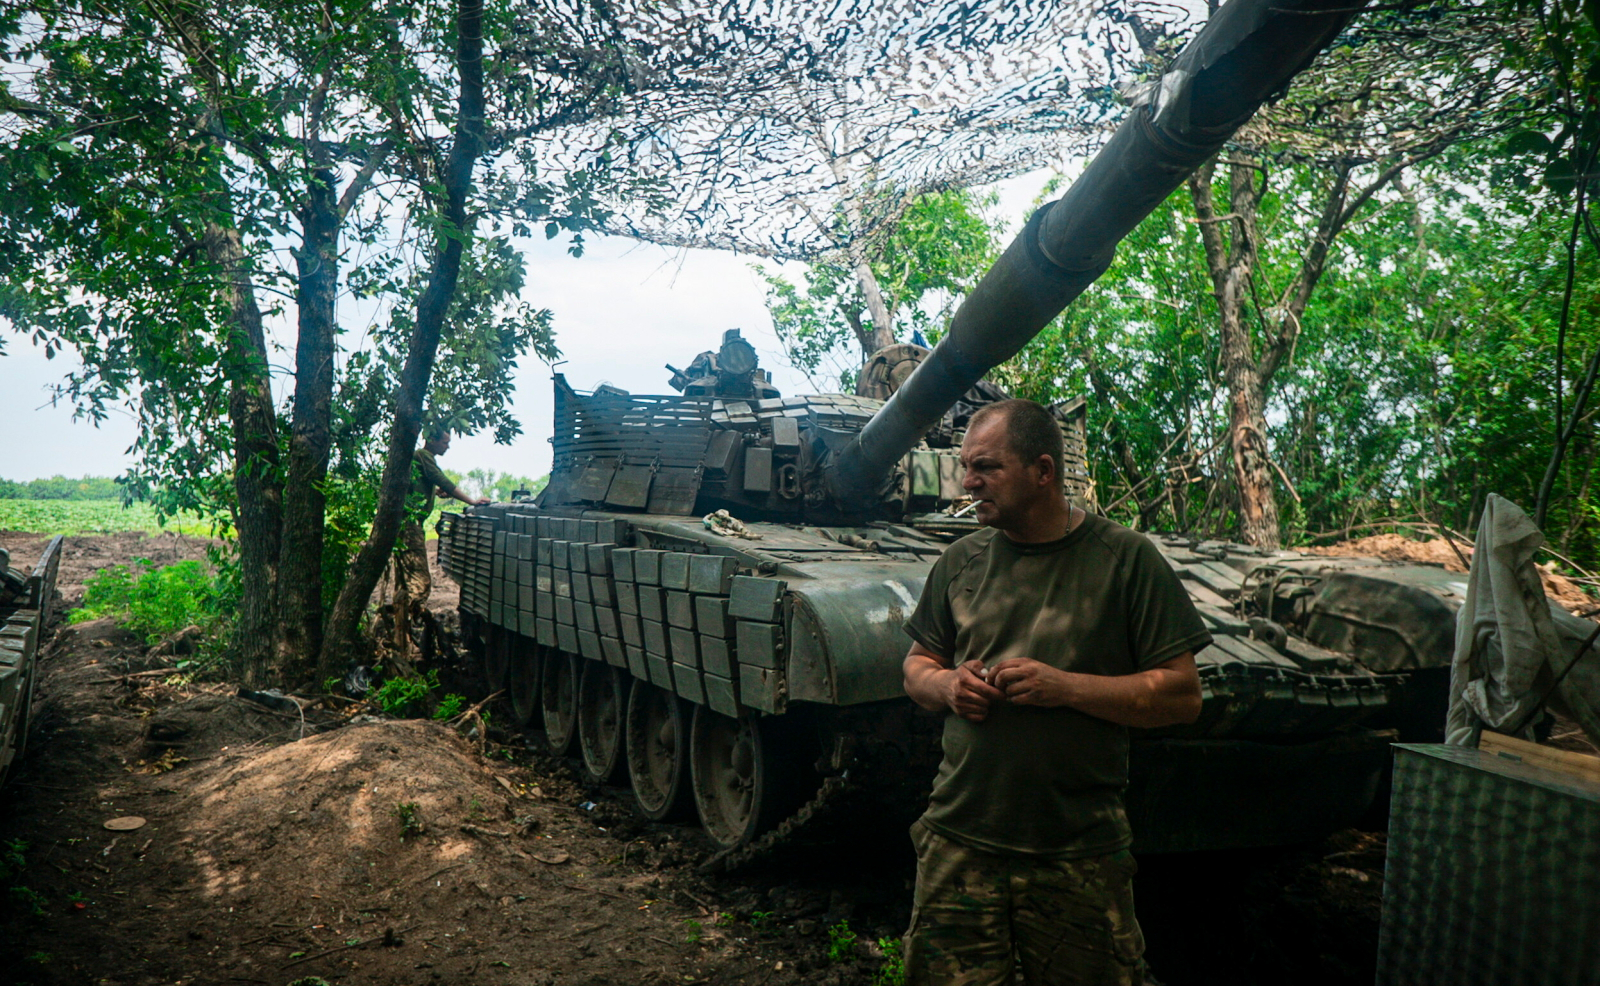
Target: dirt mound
387	852
348	816
1438	551
1394	547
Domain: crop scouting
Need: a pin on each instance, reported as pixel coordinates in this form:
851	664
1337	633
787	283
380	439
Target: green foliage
13	860
893	970
841	942
158	601
1422	378
60	488
352	501
923	265
405	697
693	931
761	922
409	815
450	706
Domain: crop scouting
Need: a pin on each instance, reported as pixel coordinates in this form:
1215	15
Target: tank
706	600
27	598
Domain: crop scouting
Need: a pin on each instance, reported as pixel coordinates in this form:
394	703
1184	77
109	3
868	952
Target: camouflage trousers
411	564
985	919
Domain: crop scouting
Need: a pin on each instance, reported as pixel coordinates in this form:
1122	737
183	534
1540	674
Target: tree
924	264
168	157
1398	92
1563	53
1422	358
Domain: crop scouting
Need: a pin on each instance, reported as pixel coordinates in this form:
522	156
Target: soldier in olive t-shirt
411	560
1101	600
1044	636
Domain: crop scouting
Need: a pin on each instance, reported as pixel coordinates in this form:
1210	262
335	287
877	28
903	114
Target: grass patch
157	601
92	517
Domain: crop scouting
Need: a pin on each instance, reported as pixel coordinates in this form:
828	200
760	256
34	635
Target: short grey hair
1031	431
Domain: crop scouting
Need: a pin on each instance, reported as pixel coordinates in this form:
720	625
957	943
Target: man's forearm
1147	700
922	681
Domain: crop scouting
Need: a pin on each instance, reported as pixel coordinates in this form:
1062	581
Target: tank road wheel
527	659
497	658
657	749
602	705
744	777
559	696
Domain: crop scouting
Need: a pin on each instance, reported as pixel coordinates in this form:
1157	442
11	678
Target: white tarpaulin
1505	633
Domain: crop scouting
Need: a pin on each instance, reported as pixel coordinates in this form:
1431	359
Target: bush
158	601
841	942
61	488
405	697
893	970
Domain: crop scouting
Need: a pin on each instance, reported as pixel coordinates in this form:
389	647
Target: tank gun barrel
1246	53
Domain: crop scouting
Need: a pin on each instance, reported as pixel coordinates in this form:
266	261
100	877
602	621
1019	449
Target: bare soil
1439	551
279	846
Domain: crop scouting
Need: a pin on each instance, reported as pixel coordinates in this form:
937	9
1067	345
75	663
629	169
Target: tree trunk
257	482
1231	267
1247	440
304	503
255	461
345	622
882	333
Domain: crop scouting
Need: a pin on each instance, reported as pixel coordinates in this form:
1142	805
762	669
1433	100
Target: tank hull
805	624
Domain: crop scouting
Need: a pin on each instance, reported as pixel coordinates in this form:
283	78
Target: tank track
834	791
885	752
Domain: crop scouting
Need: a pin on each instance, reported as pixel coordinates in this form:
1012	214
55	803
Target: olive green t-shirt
1101	600
426	476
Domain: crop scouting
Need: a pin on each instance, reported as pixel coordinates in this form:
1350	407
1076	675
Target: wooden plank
1584	766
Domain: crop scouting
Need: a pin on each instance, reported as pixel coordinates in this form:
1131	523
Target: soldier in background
427	480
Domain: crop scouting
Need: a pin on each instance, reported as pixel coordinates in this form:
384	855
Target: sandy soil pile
1393	547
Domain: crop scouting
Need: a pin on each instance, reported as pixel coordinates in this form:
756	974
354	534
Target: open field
91	517
106	517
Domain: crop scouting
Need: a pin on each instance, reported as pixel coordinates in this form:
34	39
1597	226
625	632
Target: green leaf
1528	142
1560	176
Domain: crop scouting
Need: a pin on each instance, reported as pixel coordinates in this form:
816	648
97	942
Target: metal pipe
1247	52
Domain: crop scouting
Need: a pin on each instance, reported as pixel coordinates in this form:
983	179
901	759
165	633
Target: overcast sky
620	312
